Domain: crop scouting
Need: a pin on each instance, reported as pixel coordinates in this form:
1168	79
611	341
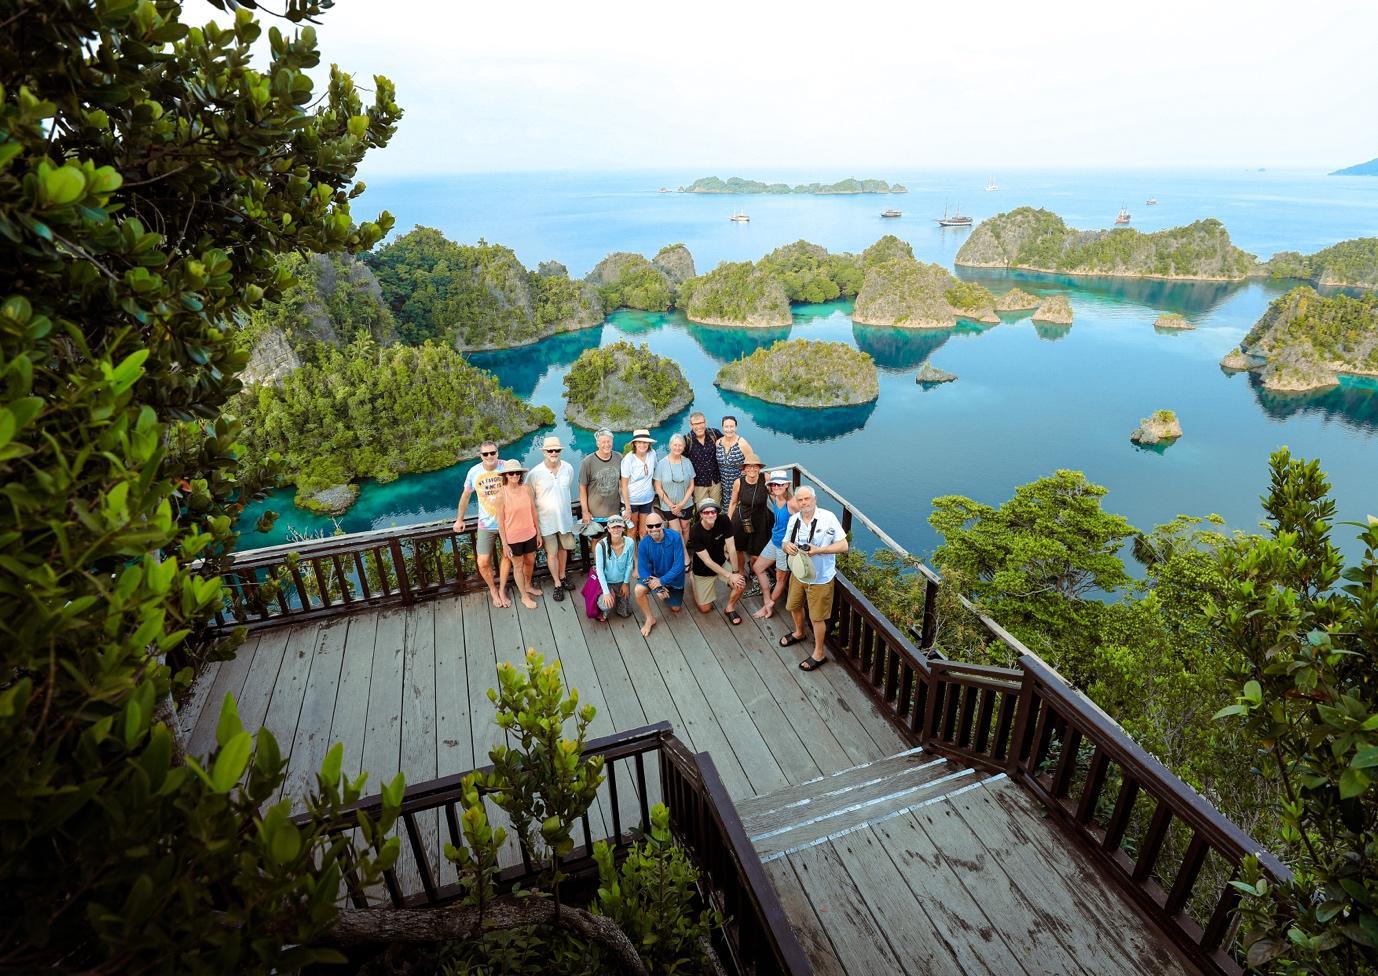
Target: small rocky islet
623	387
1305	340
1017	300
804	373
1172	322
930	375
1162	427
1054	310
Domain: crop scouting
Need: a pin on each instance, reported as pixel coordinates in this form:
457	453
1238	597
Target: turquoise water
1029	399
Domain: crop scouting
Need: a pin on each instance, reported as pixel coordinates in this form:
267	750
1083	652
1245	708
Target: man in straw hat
553	483
484	480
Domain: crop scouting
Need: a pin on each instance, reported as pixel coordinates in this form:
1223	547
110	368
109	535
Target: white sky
750	88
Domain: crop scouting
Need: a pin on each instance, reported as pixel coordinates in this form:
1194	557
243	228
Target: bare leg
643	600
520	570
528	564
798	616
503	574
485	569
759	566
820	631
561	559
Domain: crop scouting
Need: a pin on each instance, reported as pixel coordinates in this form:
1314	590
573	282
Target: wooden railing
640	767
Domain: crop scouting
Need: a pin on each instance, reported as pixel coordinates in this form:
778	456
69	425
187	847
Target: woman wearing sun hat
782	506
751	518
519	528
638	479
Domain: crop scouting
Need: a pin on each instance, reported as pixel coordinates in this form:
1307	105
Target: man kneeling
660	569
710	541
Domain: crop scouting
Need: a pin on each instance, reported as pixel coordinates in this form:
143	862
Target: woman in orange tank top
517	527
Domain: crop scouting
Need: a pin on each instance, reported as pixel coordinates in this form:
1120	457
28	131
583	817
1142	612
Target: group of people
705	511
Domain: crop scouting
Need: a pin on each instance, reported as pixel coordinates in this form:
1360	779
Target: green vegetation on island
627	280
623	387
901	291
1174	322
1352	264
1055	310
1016	300
736	293
365	411
1162	426
1038	240
476	296
802	373
1369	168
735	184
1304	340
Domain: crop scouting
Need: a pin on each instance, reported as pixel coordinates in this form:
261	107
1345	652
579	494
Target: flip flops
811	664
790	639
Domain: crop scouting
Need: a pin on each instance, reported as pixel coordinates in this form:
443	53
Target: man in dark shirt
710	543
702	447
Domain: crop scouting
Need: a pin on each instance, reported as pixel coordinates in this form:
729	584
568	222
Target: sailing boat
1122	217
991	185
958	219
739	218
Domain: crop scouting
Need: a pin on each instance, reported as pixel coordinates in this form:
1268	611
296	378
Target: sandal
790	639
811	664
734	616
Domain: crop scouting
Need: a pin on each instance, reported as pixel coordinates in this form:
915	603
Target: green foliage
365	411
638	285
543	780
970	296
810	274
888	248
149	179
528	950
334	300
804	373
1304	326
735	292
1164	416
652	897
1353	263
1039	563
1305	629
612	381
477	859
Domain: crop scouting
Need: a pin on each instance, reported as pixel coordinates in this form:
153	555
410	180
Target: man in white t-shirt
485	481
552	483
818	534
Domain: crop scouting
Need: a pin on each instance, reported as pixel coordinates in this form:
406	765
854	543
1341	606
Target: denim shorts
642	508
772	551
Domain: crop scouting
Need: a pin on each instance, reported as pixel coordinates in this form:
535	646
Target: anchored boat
956	219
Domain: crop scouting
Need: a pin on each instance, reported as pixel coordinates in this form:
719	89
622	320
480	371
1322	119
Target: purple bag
592	591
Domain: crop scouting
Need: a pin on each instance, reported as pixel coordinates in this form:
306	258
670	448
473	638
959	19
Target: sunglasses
655	525
488	453
553	450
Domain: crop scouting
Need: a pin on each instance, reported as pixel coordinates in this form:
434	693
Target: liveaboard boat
739	218
956	219
892	213
1151	202
1122	217
991	185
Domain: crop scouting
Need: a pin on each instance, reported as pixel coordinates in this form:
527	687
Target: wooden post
403	585
928	631
1021	724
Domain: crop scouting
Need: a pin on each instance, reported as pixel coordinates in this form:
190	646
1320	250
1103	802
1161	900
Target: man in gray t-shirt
600	480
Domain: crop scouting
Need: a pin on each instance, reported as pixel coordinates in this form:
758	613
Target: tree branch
364	926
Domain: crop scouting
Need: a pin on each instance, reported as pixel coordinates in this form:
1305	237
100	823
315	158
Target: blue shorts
643	508
674	595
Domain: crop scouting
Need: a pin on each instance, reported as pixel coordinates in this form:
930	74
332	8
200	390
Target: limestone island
930	375
1055	310
1235	361
1369	168
735	184
899	290
334	500
623	387
477	296
1016	300
1348	264
1305	340
1173	321
626	280
802	373
1037	240
1162	426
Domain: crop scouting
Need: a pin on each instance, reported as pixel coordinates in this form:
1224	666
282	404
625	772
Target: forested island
1349	264
623	387
735	184
803	373
1030	239
1305	340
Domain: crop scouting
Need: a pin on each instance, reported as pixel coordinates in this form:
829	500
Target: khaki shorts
705	589
486	542
565	539
713	491
818	595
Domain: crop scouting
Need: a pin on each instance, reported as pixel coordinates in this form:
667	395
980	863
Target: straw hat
751	458
552	443
642	434
513	466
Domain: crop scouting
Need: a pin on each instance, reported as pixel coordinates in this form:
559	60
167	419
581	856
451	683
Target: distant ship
957	219
1151	202
1122	217
739	218
892	213
666	189
992	186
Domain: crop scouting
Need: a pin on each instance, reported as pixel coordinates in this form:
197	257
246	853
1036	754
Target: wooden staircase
824	809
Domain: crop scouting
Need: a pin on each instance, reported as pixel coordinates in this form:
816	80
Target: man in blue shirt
659	569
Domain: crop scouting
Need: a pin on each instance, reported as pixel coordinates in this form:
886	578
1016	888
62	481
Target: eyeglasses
488	453
776	484
553	450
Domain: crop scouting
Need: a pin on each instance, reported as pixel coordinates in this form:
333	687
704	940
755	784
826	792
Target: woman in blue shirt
782	505
615	561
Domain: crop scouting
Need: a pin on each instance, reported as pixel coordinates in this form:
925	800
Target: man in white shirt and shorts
818	534
553	483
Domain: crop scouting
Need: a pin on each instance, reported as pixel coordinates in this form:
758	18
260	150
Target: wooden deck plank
311	738
284	708
189	712
382	746
804	920
911	936
970	937
1044	938
258	686
453	734
418	748
228	680
350	719
762	768
485	628
1060	878
856	937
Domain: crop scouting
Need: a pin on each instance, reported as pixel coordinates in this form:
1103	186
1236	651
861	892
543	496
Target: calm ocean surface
1029	399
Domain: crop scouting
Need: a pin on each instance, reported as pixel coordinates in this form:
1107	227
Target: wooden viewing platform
891	813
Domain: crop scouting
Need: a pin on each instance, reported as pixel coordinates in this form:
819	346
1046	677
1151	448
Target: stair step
820	789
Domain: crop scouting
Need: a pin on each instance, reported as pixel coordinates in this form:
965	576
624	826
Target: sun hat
593	529
513	466
642	434
751	458
779	477
708	503
552	443
616	520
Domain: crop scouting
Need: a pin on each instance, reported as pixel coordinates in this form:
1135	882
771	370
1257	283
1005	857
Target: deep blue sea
1029	399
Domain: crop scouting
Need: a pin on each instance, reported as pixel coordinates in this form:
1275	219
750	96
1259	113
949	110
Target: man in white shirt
818	534
485	480
552	483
